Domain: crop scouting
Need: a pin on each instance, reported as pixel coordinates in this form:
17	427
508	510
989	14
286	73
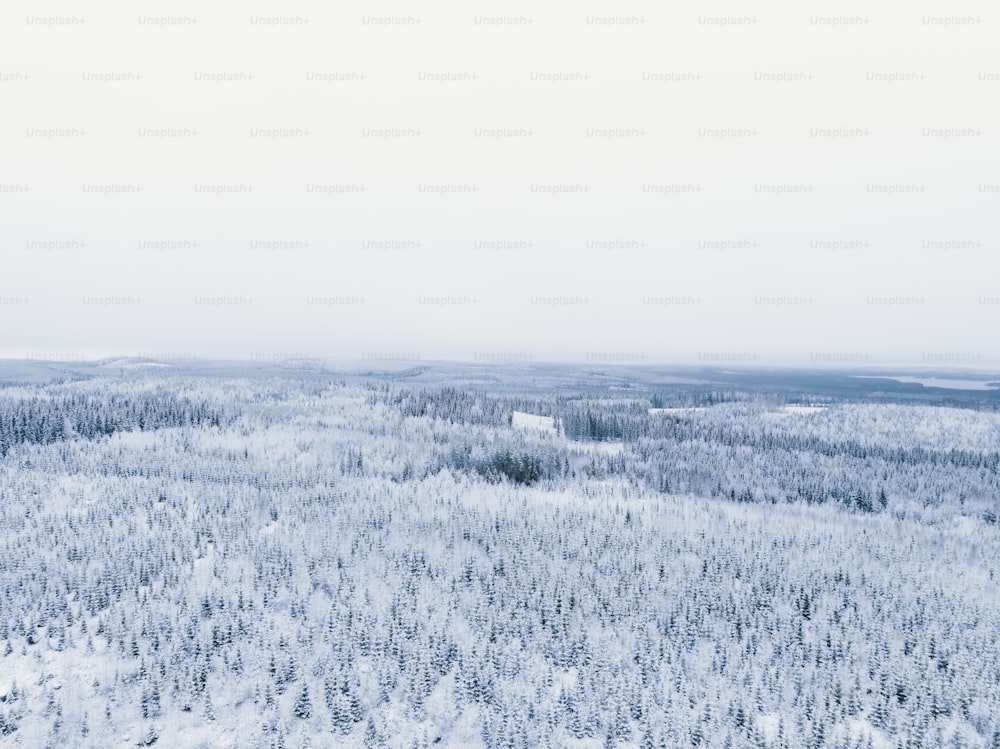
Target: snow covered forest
320	559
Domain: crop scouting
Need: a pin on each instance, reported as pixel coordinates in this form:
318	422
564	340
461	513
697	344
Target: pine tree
303	707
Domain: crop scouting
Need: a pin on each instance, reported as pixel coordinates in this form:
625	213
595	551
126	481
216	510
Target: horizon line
486	359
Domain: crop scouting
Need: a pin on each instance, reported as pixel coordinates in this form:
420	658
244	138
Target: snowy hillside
263	562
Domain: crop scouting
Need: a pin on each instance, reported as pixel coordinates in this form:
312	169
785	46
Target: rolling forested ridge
315	559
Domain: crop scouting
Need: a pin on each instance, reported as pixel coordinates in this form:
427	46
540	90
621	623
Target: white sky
671	291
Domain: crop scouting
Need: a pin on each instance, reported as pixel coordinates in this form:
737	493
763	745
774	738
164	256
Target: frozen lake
938	382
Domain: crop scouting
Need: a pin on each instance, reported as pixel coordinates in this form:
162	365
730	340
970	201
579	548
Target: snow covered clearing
522	420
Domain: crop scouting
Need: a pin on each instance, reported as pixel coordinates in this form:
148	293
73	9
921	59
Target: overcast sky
765	183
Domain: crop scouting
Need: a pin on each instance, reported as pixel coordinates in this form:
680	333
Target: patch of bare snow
682	410
605	448
522	420
797	410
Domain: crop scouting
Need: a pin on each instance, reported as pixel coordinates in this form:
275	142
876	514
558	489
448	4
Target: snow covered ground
522	420
797	410
293	563
678	410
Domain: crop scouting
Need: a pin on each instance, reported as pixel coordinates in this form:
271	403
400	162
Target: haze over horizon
721	361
